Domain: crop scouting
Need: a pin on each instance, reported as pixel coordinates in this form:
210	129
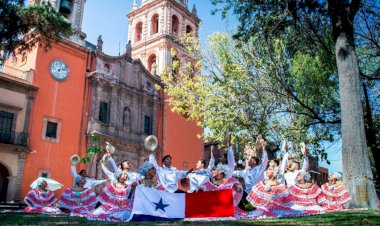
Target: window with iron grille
104	112
148	125
6	121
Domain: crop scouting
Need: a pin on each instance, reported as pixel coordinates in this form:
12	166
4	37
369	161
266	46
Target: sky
108	18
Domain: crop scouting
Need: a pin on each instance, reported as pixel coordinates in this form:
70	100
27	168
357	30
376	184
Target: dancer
116	200
125	166
148	177
290	177
221	182
335	193
254	173
90	183
78	200
40	199
168	176
201	174
305	195
268	197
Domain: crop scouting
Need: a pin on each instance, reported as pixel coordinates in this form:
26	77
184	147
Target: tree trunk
373	151
357	172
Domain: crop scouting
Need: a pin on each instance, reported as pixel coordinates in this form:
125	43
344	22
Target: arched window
152	64
138	31
175	24
126	116
189	30
154	22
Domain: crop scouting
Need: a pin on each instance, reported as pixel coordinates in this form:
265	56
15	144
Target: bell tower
73	11
155	28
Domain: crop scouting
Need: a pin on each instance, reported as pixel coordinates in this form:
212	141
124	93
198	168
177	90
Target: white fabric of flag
150	201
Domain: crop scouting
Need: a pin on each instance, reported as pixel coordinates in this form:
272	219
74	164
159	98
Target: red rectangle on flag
209	204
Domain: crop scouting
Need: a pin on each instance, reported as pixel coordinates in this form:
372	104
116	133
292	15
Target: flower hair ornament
77	179
337	175
143	170
223	168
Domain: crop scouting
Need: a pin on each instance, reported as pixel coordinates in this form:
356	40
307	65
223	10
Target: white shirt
90	183
230	162
167	176
132	176
291	177
198	177
253	175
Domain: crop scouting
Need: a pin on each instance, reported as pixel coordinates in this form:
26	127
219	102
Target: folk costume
41	200
335	193
78	200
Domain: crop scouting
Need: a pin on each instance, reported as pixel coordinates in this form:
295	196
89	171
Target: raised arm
231	158
305	165
264	157
284	163
113	164
73	171
153	161
211	164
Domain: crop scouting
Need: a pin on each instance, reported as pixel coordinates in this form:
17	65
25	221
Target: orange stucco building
56	129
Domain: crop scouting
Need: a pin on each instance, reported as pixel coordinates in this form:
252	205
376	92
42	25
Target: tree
249	88
275	17
22	27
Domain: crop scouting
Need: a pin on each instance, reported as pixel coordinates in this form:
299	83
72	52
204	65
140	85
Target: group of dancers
264	189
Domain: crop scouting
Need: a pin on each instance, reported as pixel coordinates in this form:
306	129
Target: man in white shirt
254	173
168	176
290	177
202	174
123	166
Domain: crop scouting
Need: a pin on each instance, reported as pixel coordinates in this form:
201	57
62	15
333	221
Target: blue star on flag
160	205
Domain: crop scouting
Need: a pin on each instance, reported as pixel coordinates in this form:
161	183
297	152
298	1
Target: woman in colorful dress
335	193
41	200
305	195
268	197
116	200
78	200
220	182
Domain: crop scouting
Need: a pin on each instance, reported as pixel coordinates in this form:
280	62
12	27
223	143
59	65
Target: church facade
74	91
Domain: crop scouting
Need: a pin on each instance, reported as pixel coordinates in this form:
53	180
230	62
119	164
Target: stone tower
155	28
74	15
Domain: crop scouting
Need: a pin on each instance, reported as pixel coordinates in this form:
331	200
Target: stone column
20	172
29	102
114	108
12	188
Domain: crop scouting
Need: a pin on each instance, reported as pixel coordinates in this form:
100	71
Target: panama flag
153	204
162	204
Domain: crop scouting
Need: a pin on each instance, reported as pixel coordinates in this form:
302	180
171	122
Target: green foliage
91	151
255	87
24	27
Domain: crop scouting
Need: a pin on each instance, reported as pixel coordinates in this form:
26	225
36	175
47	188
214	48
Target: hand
229	139
212	151
263	143
284	146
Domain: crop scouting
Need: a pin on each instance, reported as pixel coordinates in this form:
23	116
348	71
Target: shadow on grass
363	217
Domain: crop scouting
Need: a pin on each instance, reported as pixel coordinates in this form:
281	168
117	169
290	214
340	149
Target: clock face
59	70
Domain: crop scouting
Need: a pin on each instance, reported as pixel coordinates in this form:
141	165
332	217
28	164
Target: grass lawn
362	217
